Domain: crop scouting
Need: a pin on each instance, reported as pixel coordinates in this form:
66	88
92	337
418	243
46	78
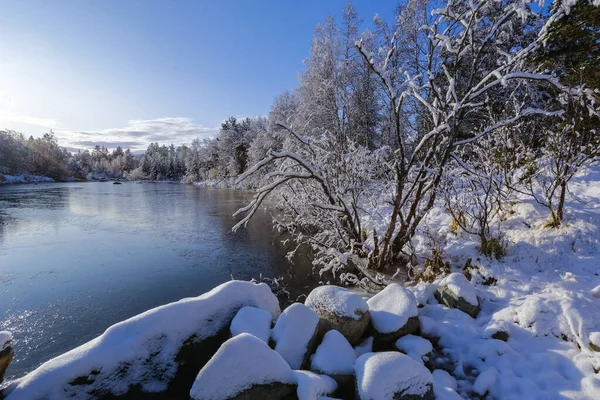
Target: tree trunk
561	203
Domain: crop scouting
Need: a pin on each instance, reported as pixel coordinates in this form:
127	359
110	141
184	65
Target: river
76	258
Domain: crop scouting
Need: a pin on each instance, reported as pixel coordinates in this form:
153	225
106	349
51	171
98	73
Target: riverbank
23	178
526	326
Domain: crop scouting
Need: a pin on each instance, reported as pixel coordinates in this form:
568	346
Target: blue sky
132	72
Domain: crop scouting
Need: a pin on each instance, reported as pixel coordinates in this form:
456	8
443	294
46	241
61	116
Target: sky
129	72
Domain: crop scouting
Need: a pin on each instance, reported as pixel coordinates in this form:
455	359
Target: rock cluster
336	345
314	342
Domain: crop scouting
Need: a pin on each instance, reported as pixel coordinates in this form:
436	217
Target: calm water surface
76	258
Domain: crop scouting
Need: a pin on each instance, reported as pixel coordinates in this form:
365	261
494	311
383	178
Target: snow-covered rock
392	376
245	367
340	309
455	291
365	347
336	357
159	351
295	334
254	321
596	291
5	339
444	386
415	347
6	352
393	315
313	386
595	341
485	380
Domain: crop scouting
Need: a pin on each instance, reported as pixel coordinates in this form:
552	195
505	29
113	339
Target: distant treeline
226	155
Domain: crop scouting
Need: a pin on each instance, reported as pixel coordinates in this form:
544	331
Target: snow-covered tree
441	87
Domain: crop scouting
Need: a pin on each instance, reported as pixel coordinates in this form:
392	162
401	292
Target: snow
340	301
334	356
24	178
444	386
147	343
460	286
240	363
5	339
365	347
293	331
254	321
485	380
391	308
312	386
544	298
594	338
415	347
380	375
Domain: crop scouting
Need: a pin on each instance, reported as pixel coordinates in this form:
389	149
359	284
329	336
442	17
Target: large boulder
392	376
340	309
153	355
295	335
245	368
336	357
6	352
393	314
455	291
313	386
254	321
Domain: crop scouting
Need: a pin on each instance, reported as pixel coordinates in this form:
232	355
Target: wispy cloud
12	117
137	134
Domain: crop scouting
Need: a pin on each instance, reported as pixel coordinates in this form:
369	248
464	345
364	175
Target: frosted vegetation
461	138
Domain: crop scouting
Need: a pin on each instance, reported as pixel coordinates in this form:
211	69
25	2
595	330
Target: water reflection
76	258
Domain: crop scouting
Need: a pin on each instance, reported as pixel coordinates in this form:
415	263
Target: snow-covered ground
542	298
5	179
536	336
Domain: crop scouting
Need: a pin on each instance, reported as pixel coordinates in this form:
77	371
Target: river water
76	258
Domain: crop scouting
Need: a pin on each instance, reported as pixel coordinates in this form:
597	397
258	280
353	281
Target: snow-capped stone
314	386
5	339
444	386
595	341
295	334
149	351
497	329
485	380
254	321
244	367
455	291
392	376
336	357
393	315
365	347
6	352
415	347
340	309
596	291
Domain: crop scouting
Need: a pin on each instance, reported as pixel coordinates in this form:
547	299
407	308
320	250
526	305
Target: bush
494	247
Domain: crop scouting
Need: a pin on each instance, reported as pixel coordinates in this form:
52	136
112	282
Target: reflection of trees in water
259	249
51	199
24	209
